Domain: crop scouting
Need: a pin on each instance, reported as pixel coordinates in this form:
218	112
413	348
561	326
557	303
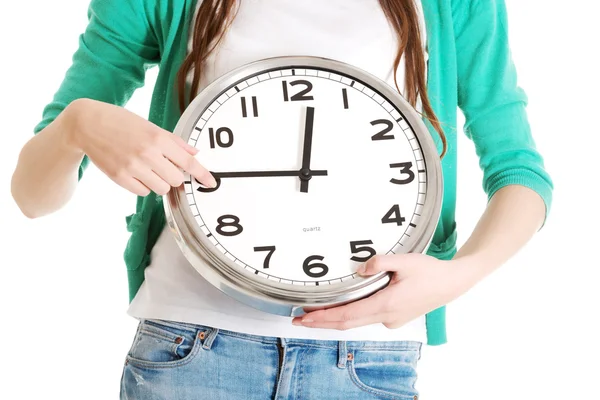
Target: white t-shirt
352	31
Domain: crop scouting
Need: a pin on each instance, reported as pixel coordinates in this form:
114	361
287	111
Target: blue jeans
177	361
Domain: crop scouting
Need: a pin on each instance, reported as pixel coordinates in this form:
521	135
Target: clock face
317	172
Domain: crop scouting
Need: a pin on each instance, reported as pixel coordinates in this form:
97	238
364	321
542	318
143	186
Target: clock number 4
301	95
270	249
309	269
393	216
360	246
223	137
405	168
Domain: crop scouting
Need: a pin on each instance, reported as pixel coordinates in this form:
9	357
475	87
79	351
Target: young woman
193	342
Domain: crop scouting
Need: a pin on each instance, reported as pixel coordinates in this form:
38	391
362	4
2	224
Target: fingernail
307	320
296	322
212	183
362	269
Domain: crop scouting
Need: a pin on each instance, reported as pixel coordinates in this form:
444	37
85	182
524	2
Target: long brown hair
214	17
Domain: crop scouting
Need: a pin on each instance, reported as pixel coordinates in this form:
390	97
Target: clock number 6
270	249
405	168
309	269
358	247
229	221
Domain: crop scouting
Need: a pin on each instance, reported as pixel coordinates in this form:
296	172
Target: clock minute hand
264	174
305	172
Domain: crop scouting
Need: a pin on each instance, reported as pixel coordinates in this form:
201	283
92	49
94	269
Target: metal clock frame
271	296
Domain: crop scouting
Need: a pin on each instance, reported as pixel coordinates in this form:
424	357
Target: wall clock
320	166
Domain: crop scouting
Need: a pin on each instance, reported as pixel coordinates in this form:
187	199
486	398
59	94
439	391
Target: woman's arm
518	187
513	216
86	119
47	170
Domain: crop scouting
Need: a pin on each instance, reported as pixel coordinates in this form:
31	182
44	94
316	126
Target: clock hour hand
264	174
305	172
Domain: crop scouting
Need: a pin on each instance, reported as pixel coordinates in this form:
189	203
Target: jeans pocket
388	374
164	345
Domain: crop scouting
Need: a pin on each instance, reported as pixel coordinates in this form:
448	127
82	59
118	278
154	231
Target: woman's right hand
136	154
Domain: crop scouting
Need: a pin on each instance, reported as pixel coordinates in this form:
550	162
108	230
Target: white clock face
263	137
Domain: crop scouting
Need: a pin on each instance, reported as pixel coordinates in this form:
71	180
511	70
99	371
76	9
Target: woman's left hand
419	284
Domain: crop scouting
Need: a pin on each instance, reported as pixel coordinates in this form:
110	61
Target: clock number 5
270	249
309	269
302	95
405	168
358	247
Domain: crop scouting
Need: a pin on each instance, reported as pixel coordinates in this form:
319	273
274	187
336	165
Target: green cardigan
470	68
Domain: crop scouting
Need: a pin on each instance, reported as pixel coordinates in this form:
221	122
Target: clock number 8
225	223
309	269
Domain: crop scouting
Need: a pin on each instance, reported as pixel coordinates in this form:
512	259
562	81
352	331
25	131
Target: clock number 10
223	137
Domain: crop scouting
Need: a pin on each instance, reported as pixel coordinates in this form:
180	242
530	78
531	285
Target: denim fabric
176	361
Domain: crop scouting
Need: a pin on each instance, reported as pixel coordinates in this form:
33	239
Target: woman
193	341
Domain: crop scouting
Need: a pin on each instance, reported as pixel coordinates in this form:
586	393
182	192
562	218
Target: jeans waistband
334	344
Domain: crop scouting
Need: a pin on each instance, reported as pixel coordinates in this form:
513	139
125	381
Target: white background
528	331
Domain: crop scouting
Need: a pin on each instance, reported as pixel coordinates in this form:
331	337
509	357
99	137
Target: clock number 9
219	139
405	168
309	269
358	247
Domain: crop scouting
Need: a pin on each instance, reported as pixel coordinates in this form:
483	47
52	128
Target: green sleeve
114	52
492	102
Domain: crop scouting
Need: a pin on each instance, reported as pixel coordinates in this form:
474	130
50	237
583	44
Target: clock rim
269	295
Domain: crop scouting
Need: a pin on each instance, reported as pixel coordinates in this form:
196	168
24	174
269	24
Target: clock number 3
232	223
302	95
405	168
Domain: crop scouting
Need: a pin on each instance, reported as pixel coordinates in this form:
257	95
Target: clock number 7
270	249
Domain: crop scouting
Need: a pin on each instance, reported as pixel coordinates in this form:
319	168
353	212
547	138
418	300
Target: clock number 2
383	135
405	168
302	95
360	246
270	249
309	269
229	221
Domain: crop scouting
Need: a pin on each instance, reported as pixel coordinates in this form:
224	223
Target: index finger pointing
190	164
